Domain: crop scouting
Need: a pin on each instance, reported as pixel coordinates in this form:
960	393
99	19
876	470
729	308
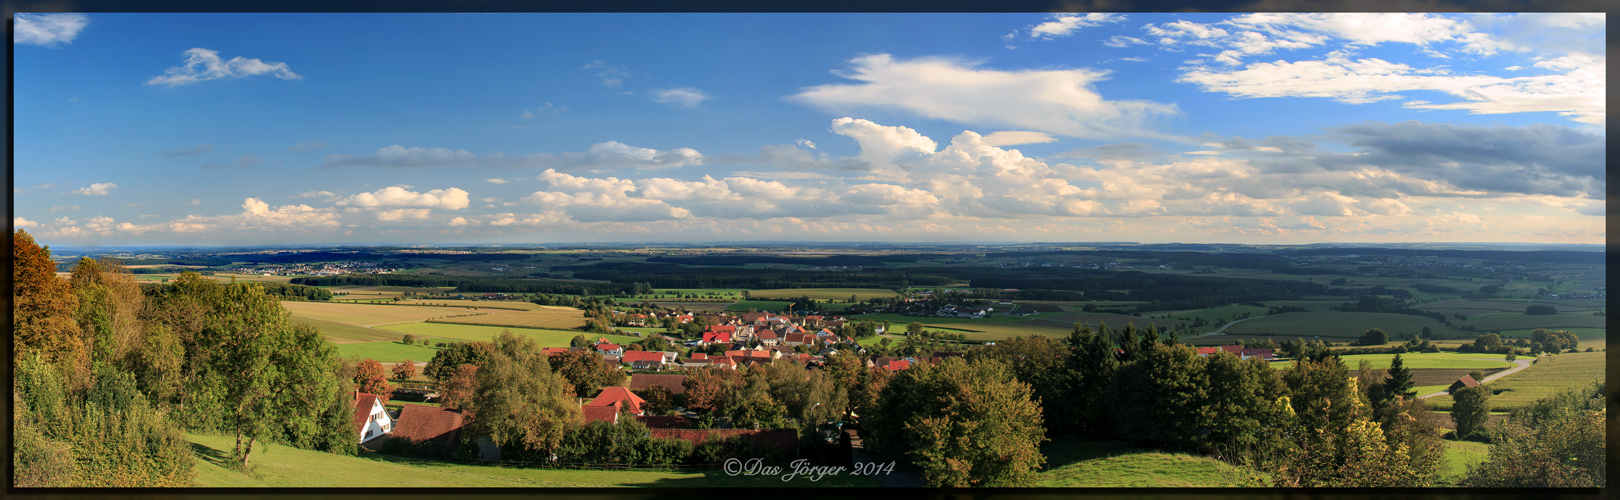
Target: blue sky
210	129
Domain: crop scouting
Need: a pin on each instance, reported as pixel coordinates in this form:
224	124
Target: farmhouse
422	423
1265	354
653	359
1465	381
610	349
609	413
370	419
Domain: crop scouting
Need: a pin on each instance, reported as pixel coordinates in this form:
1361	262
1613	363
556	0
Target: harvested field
549	318
367	314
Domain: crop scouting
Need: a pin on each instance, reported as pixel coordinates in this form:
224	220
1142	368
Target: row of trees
102	361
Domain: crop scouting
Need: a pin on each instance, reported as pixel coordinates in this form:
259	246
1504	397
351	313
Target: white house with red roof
610	349
655	358
619	397
370	419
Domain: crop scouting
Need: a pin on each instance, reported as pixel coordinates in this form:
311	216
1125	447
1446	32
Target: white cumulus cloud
204	65
47	29
397	196
97	189
1061	102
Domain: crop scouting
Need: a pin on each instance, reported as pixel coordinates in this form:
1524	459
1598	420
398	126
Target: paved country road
1523	363
1223	327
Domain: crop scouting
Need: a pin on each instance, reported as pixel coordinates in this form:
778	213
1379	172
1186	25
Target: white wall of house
377	424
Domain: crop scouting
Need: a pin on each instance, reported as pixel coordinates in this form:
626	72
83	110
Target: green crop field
1080	463
1520	321
479	333
1550	375
366	314
282	466
1214	314
1314	305
1340	324
1461	455
1469	307
1451	360
387	352
761	305
340	333
838	294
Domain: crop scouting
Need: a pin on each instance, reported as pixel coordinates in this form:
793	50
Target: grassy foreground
1080	463
281	466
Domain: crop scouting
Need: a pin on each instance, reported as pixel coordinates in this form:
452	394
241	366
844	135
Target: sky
251	129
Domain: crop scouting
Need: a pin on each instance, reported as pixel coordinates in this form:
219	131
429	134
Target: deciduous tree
520	403
965	424
370	377
42	305
404	370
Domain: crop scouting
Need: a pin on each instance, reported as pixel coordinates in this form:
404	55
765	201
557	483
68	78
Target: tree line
109	374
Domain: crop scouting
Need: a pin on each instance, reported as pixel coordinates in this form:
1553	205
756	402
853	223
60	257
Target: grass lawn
366	314
1460	455
478	333
1340	324
838	294
1079	463
282	466
560	318
1549	375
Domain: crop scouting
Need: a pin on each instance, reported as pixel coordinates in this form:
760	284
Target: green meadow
1079	463
478	333
1459	456
282	466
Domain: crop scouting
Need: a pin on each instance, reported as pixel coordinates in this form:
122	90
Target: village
730	341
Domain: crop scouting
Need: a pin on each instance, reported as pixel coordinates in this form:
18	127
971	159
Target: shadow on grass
213	456
411	461
1066	450
714	478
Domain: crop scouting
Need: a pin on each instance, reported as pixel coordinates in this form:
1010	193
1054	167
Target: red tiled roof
727	329
615	394
699	355
609	413
899	364
608	347
1234	348
428	423
717	336
553	350
362	410
674	383
1208	350
634	356
1465	381
767	335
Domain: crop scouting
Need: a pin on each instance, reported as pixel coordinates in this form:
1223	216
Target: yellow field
564	318
368	314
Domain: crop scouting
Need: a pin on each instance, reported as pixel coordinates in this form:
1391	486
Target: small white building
370	419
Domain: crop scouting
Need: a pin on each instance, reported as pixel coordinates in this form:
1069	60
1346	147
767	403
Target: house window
368	433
